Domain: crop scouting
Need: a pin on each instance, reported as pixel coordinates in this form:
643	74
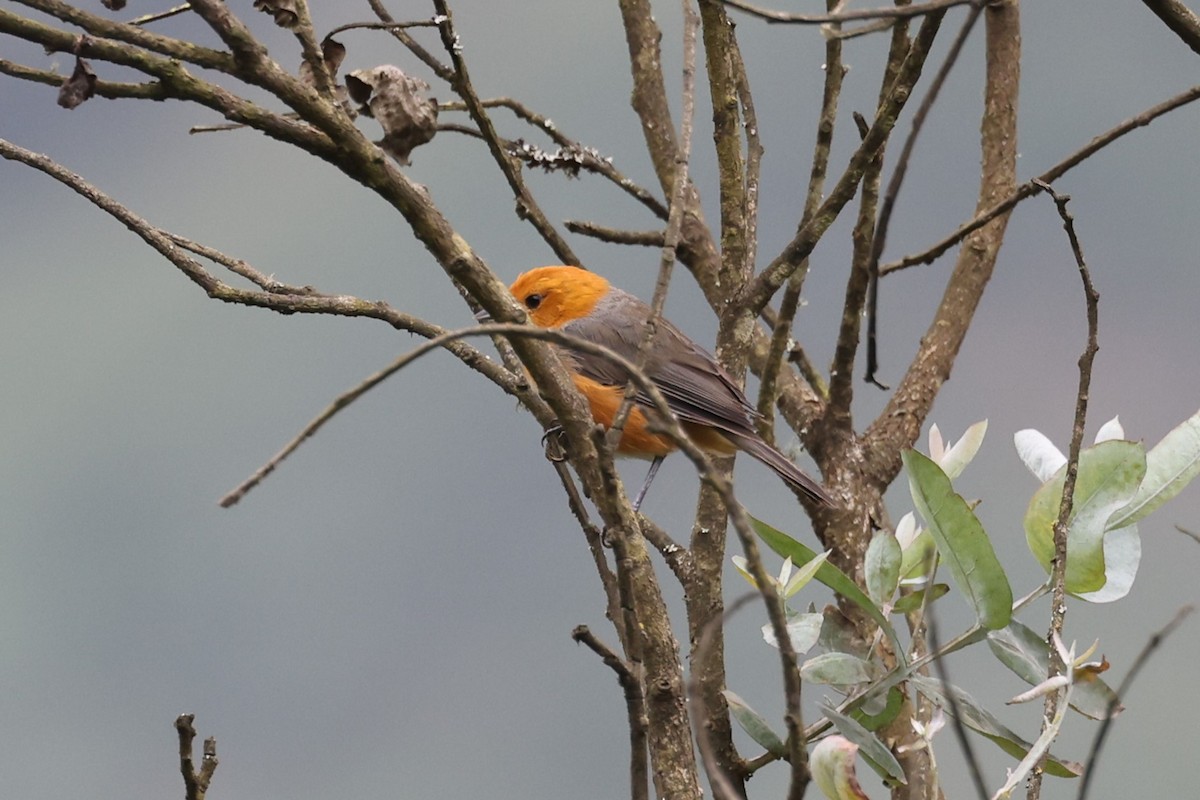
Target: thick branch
135	35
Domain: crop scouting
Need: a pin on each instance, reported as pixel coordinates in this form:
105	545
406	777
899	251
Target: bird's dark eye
533	301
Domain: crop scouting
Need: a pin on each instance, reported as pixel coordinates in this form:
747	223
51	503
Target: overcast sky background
389	614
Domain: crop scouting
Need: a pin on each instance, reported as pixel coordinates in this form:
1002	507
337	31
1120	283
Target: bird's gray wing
695	386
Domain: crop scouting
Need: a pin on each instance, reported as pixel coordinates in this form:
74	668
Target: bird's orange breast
636	437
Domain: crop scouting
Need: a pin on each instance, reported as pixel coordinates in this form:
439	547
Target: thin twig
616	236
599	166
1058	604
781	328
667	425
842	34
1142	657
781	268
401	35
157	16
892	12
1192	534
151	90
527	207
960	730
670	242
1027	190
897	180
701	713
635	709
382	26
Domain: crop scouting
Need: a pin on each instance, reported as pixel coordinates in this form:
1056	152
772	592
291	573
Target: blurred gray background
389	614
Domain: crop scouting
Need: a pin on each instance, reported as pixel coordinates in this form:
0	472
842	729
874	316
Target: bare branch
195	783
382	26
527	207
760	291
1058	575
781	326
888	13
1180	19
600	166
108	89
1029	189
1152	644
960	732
132	34
428	59
897	180
900	422
615	236
158	16
704	714
635	708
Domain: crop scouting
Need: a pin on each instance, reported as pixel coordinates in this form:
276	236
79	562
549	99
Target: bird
704	397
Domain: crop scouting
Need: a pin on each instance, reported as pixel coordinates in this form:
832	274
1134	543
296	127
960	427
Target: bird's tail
792	475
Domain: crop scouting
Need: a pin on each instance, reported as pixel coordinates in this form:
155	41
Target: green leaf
873	722
883	567
961	541
980	720
829	575
838	669
803	629
804	575
1109	475
919	557
913	600
1025	652
880	758
1170	465
753	724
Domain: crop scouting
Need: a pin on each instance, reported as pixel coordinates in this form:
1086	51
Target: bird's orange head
554	296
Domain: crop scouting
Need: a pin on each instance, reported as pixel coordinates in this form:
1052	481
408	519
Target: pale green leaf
837	669
919	558
883	567
804	574
914	600
1170	465
982	721
803	630
961	541
753	724
872	749
1024	651
1109	474
829	575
